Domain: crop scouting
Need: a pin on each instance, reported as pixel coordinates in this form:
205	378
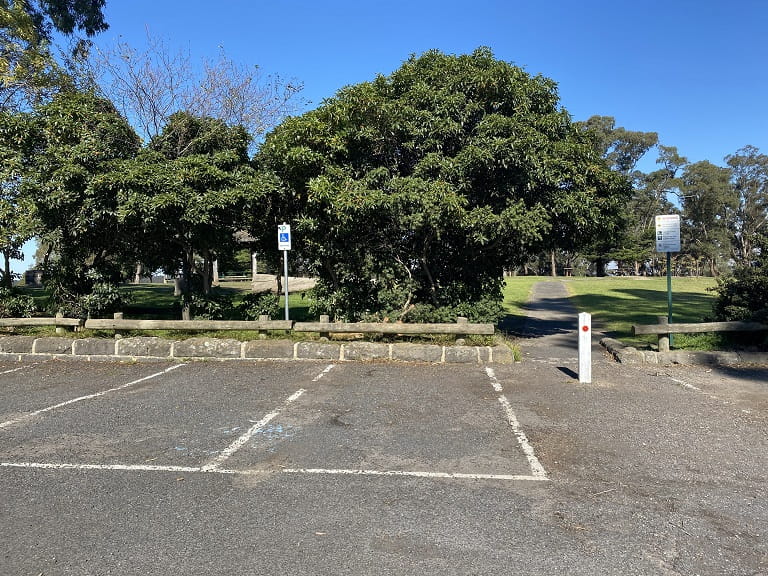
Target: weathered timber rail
663	329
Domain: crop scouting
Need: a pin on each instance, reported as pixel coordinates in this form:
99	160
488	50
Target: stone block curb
94	347
17	344
630	355
269	349
52	345
367	351
207	348
144	346
147	348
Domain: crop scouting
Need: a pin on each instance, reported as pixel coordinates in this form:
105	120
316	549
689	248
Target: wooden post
324	318
461	338
263	318
118	333
663	338
60	329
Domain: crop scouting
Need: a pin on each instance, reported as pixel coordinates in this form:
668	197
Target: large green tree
707	198
27	66
623	149
186	195
749	220
414	190
17	210
80	139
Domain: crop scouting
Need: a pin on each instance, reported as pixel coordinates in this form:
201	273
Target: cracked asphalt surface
381	468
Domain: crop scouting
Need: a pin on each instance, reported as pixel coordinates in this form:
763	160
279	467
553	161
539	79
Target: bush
256	304
16	305
214	306
88	295
743	295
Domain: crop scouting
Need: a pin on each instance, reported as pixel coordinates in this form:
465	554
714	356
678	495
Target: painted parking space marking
230	450
536	468
11	371
218	464
255	429
266	472
29	415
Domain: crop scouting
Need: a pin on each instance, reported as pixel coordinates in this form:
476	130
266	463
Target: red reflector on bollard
585	328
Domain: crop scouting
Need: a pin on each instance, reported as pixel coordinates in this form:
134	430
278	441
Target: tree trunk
552	264
7	277
215	273
430	279
137	275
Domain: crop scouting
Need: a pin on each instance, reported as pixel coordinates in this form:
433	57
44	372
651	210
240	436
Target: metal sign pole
284	244
285	283
669	292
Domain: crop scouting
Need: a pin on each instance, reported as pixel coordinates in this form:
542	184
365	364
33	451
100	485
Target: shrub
256	304
743	295
16	305
214	306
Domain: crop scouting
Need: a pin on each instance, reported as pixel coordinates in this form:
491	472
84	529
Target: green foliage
743	295
78	294
418	188
255	304
213	306
16	305
81	141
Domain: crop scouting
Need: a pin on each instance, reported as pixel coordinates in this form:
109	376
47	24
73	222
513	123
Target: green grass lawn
616	303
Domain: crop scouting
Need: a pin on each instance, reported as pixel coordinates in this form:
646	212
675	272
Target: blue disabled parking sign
284	237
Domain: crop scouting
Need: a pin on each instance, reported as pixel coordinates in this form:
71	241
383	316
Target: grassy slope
618	302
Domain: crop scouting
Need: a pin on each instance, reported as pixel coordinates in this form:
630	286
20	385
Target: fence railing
663	329
460	328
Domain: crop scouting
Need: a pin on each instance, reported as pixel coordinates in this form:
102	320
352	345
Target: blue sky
696	72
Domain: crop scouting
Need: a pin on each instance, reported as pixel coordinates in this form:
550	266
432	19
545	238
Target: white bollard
585	348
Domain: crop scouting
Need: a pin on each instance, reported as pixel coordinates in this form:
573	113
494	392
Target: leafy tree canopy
80	139
414	190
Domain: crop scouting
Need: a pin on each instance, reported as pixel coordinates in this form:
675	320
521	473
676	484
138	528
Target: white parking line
536	468
243	440
259	472
18	369
29	415
227	453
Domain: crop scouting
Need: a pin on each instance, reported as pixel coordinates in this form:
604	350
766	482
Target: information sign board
668	233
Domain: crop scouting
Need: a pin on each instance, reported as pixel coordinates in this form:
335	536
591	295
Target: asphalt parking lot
381	468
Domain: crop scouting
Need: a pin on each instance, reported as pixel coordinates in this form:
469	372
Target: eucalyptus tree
749	219
707	199
410	193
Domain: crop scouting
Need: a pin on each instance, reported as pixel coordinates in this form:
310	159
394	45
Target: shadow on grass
617	314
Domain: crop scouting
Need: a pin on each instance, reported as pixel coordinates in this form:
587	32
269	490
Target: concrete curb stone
269	349
417	353
207	348
318	351
145	346
17	344
94	347
462	355
52	345
367	351
629	355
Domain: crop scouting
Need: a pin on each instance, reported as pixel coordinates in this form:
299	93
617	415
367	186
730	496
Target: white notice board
668	233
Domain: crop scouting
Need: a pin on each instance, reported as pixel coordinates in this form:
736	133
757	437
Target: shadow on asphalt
545	317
